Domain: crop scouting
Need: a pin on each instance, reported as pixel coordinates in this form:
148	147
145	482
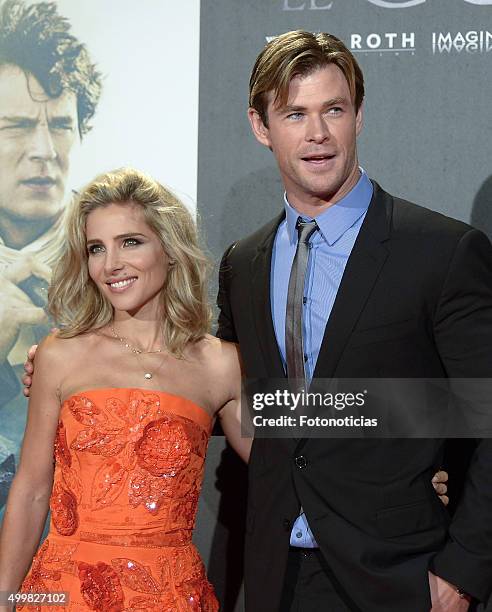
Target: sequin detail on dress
128	471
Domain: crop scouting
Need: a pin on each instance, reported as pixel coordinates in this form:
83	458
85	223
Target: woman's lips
119	286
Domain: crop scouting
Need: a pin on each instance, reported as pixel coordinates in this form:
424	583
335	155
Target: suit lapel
363	268
261	267
261	302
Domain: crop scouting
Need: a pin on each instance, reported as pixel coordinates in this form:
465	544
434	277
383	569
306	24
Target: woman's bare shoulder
57	359
221	355
60	351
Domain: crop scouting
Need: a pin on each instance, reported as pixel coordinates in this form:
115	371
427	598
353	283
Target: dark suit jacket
415	301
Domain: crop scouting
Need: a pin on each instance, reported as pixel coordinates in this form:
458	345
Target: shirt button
299	534
304	300
305	357
300	462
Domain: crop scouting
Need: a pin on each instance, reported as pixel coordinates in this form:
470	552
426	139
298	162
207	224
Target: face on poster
129	99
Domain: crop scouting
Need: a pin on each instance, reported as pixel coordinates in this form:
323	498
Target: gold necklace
133	349
148	375
137	352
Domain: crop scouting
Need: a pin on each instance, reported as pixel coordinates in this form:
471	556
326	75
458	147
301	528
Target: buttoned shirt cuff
301	535
469	574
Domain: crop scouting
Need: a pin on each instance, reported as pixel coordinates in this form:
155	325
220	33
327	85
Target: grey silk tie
294	345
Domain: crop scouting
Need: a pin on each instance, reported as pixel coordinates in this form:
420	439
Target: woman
125	394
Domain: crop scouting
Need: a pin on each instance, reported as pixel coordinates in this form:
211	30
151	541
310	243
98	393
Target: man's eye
94	249
61	125
294	116
336	110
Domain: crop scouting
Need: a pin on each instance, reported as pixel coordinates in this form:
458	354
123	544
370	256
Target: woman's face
126	259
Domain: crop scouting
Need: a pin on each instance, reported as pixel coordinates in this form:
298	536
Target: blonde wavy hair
74	299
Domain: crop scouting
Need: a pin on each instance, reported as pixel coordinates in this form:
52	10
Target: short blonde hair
299	53
74	299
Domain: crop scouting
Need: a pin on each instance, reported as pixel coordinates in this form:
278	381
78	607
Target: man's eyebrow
119	237
18	118
26	118
293	108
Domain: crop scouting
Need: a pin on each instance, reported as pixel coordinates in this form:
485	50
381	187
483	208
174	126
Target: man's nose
42	146
317	129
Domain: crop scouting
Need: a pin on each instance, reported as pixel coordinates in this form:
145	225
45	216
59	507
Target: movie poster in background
427	136
146	116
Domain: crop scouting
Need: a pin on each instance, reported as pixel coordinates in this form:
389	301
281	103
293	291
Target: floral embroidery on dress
122	455
64	462
35	582
135	576
192	593
145	449
100	587
63	507
61	450
46	572
164	448
186	572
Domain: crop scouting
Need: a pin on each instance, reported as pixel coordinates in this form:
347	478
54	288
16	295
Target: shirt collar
337	219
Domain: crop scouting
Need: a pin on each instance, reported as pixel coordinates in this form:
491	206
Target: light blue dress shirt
330	248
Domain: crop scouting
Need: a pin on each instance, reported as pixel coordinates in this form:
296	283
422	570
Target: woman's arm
235	430
230	419
28	500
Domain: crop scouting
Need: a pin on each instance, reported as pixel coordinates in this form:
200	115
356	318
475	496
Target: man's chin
36	209
325	192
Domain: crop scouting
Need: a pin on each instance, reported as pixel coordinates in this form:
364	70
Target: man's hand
16	308
29	369
439	481
445	597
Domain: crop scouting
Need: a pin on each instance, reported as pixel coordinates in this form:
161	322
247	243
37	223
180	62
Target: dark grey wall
427	127
427	137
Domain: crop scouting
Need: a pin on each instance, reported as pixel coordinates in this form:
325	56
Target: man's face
313	137
37	134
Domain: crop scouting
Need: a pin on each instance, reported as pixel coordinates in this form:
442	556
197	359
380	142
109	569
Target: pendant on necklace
148	375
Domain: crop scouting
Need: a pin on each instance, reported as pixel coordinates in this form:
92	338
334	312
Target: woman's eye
131	242
94	249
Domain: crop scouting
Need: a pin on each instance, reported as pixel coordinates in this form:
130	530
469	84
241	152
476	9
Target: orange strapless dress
128	472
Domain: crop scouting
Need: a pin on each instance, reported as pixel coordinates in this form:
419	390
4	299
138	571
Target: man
49	90
375	288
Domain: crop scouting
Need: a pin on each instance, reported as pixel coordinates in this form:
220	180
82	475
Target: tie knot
305	229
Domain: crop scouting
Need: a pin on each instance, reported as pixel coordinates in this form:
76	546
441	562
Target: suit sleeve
225	329
463	333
